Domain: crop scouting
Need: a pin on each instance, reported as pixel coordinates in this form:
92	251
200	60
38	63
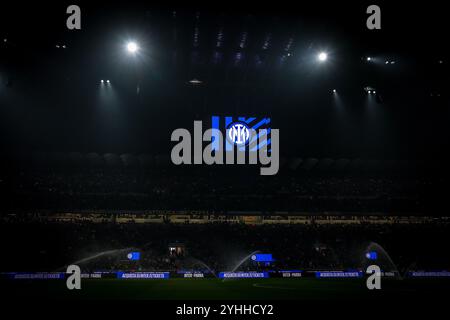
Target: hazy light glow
132	47
195	81
322	56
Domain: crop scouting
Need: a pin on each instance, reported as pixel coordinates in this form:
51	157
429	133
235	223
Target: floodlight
322	56
132	47
195	81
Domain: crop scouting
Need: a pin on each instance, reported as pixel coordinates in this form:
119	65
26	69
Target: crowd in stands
98	189
31	244
40	245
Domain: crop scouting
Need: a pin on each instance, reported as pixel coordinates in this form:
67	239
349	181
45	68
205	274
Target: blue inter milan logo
242	132
238	133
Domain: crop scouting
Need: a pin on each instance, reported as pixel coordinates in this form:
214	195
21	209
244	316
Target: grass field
215	289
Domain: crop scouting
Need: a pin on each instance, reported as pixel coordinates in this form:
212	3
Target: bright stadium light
334	90
102	81
322	56
107	81
369	58
132	47
195	81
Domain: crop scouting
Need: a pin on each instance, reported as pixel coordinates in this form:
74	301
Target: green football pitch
217	289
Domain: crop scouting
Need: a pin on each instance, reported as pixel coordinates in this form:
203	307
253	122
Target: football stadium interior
88	176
